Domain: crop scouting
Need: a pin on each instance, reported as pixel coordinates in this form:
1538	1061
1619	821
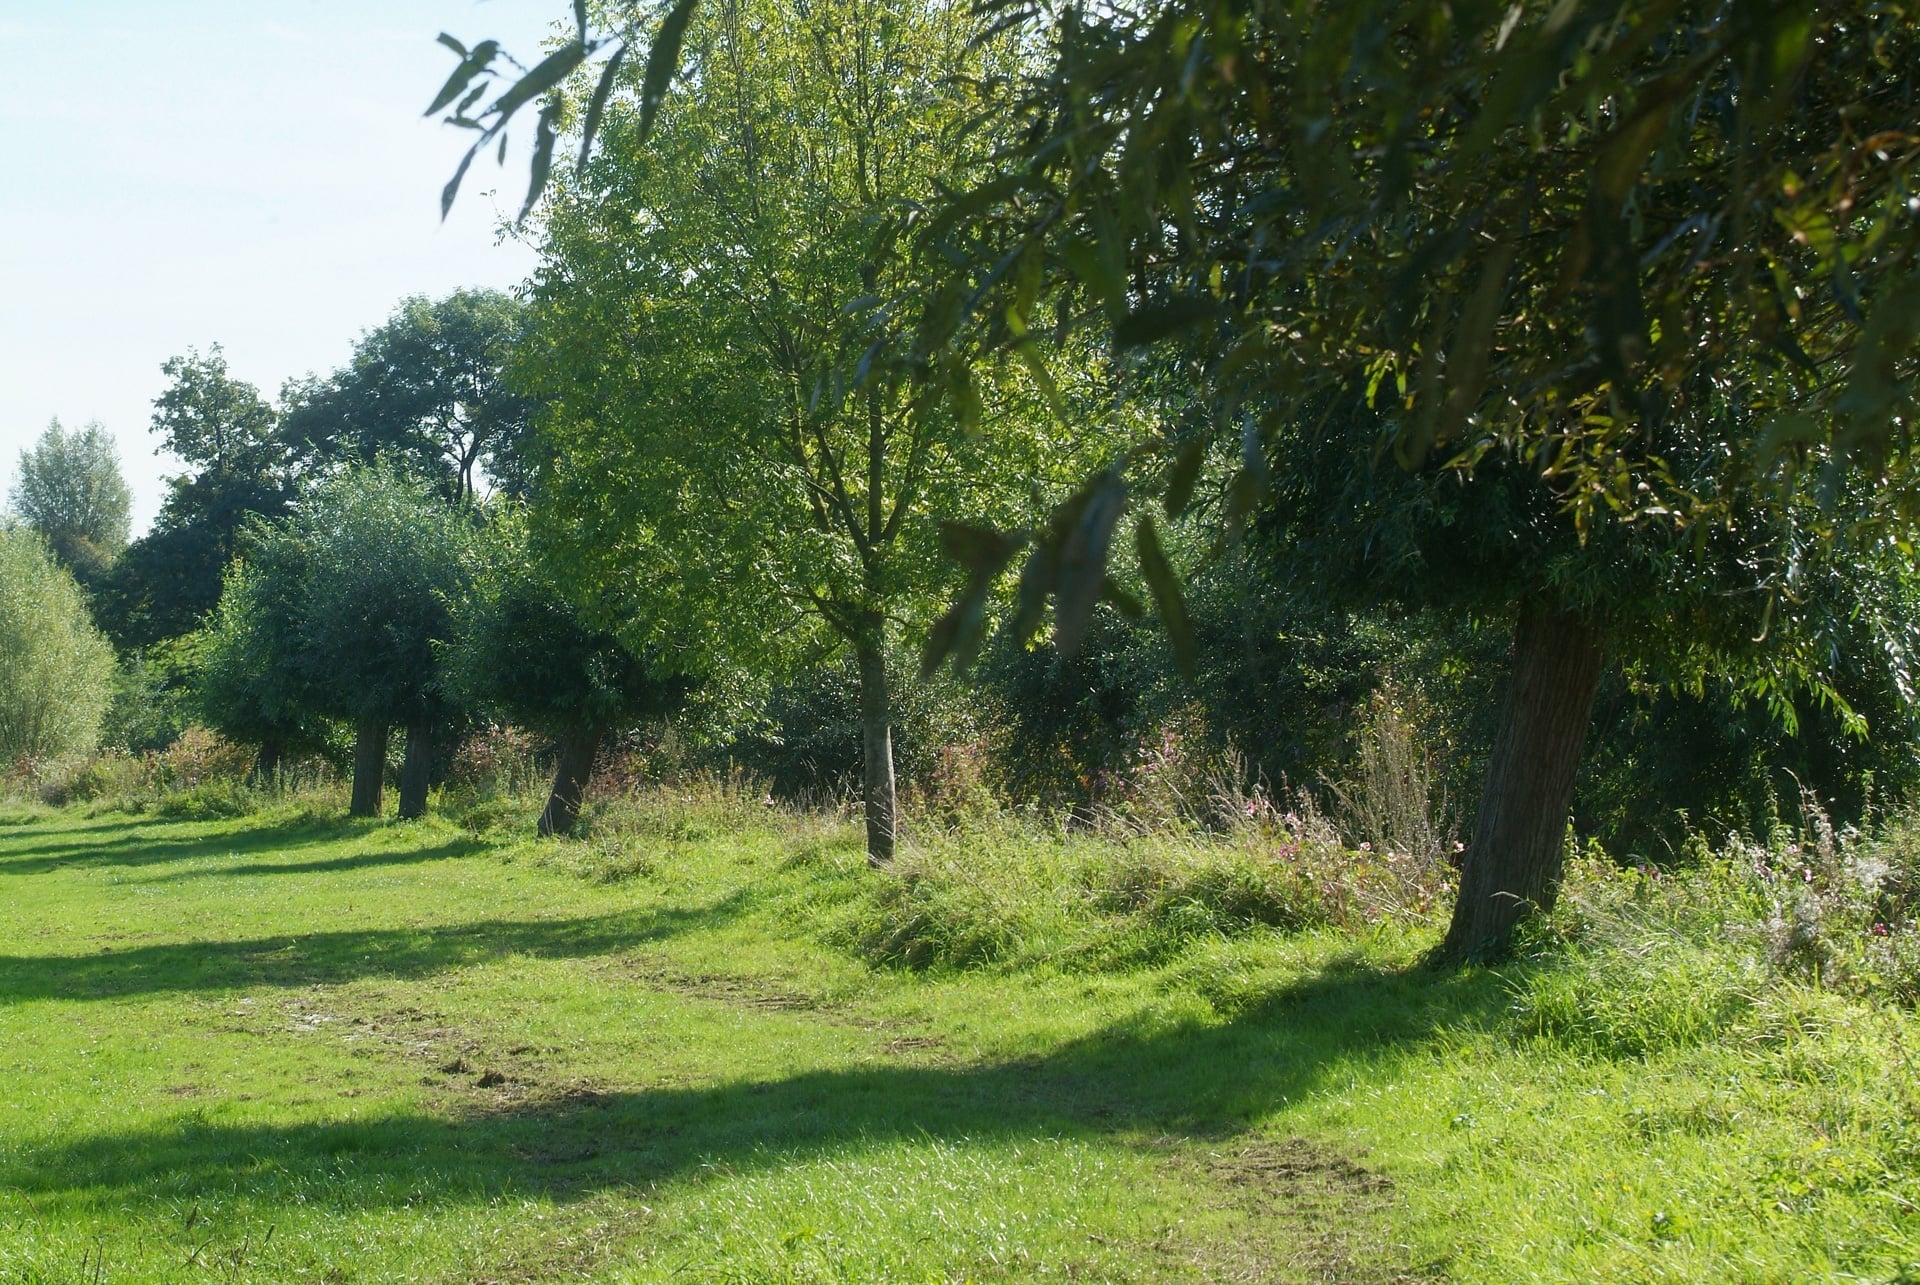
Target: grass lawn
288	1047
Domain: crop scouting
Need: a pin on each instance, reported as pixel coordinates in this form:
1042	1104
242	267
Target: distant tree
238	470
426	387
521	650
56	671
386	563
70	490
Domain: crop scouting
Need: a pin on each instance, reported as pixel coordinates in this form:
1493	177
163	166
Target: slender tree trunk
266	766
1513	865
876	735
577	750
416	770
369	768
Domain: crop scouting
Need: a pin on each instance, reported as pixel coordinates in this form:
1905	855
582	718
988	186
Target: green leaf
1082	570
1115	595
452	189
471	65
543	141
1167	595
597	105
663	62
1184	476
552	69
981	550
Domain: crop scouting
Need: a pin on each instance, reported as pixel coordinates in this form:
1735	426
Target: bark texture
876	737
369	768
570	777
416	771
1513	864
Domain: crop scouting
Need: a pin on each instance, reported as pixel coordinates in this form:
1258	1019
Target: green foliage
425	388
339	612
57	676
152	698
239	471
805	739
386	566
1600	250
521	650
742	448
69	489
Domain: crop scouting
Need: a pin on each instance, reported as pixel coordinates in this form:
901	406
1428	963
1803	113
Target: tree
741	454
339	613
238	471
71	492
389	564
520	649
1575	242
57	676
1588	316
425	387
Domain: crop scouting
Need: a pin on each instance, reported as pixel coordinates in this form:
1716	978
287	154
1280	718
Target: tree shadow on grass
1131	1082
449	851
330	958
143	848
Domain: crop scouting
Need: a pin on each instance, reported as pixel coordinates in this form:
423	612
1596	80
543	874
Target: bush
58	674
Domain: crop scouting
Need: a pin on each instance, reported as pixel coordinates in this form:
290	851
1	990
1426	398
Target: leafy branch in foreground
480	73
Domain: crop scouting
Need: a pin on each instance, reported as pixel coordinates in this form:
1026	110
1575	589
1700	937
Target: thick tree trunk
876	736
369	768
1513	865
416	771
577	750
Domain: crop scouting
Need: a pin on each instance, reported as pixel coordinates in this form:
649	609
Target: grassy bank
706	1043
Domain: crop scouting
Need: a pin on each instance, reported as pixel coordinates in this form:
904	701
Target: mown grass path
286	1049
295	1048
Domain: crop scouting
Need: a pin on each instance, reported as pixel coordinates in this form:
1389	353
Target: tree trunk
369	768
1512	867
577	750
266	765
876	735
416	770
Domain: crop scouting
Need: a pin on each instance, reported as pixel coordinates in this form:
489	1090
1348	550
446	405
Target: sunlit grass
284	1046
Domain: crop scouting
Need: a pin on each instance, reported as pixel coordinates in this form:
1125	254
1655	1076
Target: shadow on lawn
324	958
1209	1080
141	847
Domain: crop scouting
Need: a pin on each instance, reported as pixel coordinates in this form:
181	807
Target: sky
250	173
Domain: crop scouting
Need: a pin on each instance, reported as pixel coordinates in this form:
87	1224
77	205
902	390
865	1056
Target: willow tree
744	453
1597	317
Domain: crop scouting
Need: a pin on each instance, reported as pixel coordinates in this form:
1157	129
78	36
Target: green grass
281	1047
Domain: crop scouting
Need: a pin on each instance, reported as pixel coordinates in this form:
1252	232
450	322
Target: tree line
1569	341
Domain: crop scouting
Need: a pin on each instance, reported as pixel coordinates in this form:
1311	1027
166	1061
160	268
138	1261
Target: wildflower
1366	847
1880	930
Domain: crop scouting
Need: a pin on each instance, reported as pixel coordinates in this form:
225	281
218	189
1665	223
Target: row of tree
915	319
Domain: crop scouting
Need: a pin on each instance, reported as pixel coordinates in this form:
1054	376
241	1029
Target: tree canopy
425	387
57	676
70	490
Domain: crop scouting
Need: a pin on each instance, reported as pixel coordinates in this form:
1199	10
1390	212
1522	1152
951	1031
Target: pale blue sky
253	173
